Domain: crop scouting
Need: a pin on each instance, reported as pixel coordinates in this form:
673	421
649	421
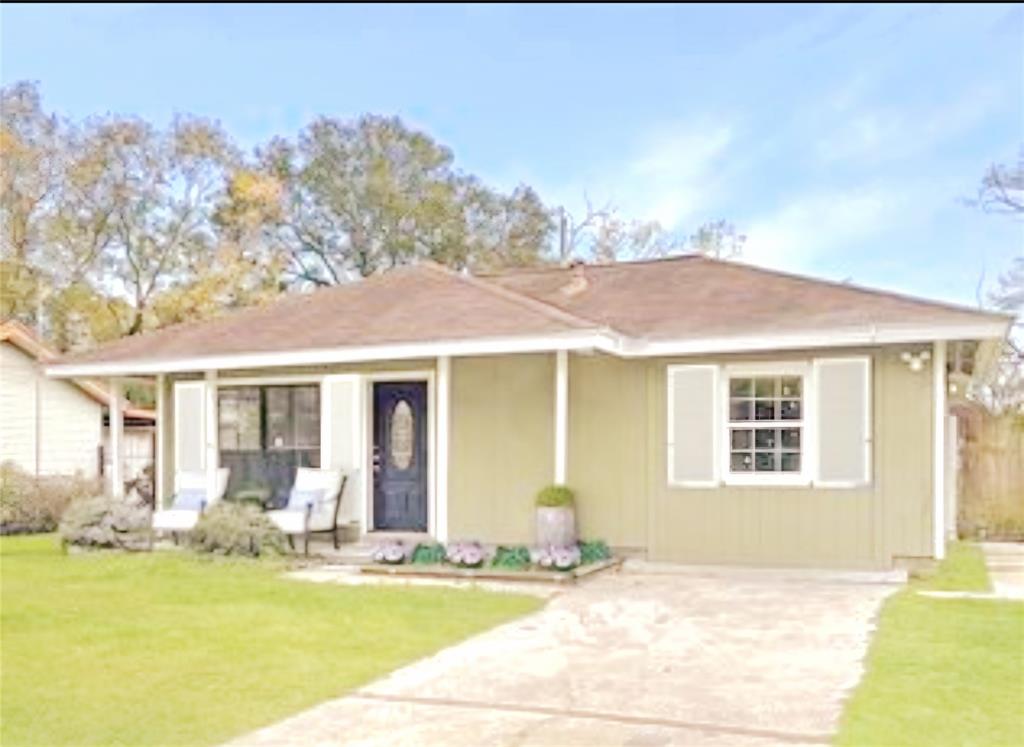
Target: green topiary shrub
428	554
100	522
555	496
30	504
512	558
232	529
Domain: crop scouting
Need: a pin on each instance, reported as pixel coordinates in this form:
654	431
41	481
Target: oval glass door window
401	435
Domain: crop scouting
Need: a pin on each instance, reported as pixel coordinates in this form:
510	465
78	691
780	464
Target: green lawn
943	671
166	648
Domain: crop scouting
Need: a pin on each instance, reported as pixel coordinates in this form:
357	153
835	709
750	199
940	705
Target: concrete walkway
1005	564
1005	561
645	656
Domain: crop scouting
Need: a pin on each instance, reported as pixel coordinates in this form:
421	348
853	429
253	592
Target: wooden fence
991	475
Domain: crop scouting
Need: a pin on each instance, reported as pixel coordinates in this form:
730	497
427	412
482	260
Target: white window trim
869	441
808	435
716	428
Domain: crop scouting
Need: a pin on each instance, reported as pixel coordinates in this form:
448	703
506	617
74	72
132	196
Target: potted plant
556	517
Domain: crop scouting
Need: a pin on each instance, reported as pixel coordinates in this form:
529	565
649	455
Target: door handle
376	459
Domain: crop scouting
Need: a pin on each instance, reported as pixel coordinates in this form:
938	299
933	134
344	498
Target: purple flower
391	552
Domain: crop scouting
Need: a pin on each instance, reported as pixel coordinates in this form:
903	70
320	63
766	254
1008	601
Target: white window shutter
341	436
692	432
843	421
189	426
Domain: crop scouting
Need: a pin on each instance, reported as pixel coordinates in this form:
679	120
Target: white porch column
116	440
158	457
212	434
561	415
939	449
443	420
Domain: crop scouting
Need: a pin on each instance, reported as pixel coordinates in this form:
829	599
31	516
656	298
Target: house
59	427
703	411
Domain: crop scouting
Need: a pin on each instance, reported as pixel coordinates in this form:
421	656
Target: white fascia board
319	356
823	338
604	340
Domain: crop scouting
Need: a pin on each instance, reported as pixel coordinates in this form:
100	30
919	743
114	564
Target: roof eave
602	339
572	340
993	329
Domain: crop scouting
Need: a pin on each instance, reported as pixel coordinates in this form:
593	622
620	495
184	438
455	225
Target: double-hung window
798	422
765	423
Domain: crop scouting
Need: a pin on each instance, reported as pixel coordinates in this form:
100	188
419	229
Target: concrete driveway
647	656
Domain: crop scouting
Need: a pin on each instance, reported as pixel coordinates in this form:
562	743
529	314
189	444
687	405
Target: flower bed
506	563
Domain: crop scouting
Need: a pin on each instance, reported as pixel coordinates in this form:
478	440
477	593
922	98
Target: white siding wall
17	407
70	422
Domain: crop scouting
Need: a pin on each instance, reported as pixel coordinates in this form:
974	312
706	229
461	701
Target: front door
400	456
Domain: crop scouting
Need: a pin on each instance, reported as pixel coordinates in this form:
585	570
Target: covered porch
387	425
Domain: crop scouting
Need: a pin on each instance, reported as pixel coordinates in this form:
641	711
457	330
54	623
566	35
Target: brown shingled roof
681	299
693	297
419	303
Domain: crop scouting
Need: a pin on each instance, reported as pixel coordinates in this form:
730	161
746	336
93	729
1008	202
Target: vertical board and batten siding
502	453
502	444
69	423
608	447
862	526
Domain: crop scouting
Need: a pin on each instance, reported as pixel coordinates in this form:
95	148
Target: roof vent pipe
577	278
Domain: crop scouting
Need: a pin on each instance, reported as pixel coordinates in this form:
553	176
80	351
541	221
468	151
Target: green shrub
101	522
594	551
513	558
428	554
232	529
555	496
29	504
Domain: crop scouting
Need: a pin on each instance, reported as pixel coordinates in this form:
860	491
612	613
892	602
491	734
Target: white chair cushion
289	522
198	481
328	480
175	520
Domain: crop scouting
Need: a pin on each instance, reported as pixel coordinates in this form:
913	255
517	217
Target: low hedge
237	529
30	504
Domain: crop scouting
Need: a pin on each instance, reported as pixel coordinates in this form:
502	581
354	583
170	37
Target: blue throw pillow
299	499
190	499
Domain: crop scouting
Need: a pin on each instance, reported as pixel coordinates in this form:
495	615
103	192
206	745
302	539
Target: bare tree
1002	188
602	234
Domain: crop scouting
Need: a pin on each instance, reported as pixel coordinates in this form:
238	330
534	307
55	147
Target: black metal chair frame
334	522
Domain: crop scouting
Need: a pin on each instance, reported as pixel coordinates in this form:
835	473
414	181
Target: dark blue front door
400	456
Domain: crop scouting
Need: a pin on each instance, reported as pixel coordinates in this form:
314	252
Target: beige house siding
502	453
806	526
607	448
502	444
68	424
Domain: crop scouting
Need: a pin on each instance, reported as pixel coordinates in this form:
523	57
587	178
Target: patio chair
312	505
192	496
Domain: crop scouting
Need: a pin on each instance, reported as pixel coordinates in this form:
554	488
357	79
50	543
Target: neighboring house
703	411
56	427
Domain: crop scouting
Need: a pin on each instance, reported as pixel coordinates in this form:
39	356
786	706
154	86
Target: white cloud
675	175
886	133
813	225
672	175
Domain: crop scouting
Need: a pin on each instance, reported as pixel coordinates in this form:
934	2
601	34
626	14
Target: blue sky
840	139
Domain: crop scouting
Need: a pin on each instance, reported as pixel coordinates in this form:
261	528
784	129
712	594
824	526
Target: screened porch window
265	433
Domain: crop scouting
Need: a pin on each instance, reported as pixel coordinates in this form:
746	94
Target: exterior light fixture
915	361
